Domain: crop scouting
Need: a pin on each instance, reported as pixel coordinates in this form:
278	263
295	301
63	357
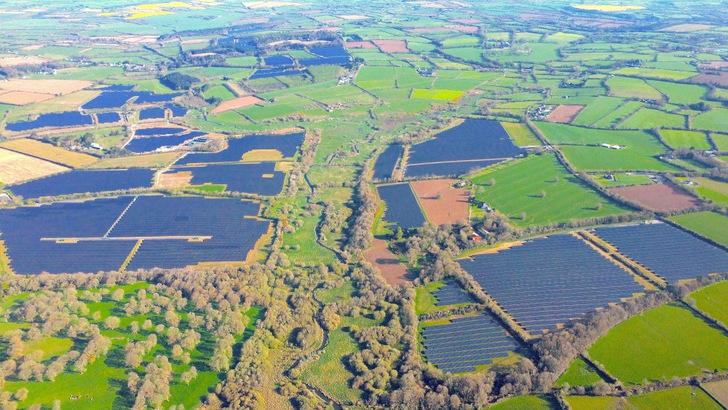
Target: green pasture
709	224
517	189
662	343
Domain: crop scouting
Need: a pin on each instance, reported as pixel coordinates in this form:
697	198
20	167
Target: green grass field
677	93
624	180
520	134
656	73
646	118
686	397
708	224
617	115
686	139
713	300
580	373
518	189
443	95
426	302
596	110
628	87
664	342
527	403
713	120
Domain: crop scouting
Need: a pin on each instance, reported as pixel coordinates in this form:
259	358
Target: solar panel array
22	228
82	181
447	169
257	178
451	294
402	206
108	117
465	343
549	281
384	167
108	242
233	235
287	144
668	251
154	113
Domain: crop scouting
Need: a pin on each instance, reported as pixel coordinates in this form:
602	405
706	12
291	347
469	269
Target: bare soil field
23	98
657	197
392	270
16	61
565	113
442	203
719	391
711	79
713	65
16	167
360	44
53	87
392	46
174	180
466	21
464	28
235	104
687	28
353	17
48	152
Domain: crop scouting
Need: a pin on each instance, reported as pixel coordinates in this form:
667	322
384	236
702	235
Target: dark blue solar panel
386	162
147	132
259	178
63	119
145	97
108	117
287	144
274	72
109	99
402	206
177	111
548	281
451	294
447	169
278	61
154	113
23	228
472	140
668	251
466	343
82	181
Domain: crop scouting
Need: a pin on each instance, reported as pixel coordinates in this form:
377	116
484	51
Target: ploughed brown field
360	44
392	270
711	79
442	203
564	113
392	46
658	197
235	104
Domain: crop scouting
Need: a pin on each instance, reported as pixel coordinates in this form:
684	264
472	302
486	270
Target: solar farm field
402	207
549	281
150	144
451	294
664	342
100	235
466	343
253	178
471	141
517	192
667	251
387	160
83	181
708	224
286	144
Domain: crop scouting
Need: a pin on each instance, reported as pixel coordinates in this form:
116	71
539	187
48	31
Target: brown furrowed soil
392	270
564	113
657	197
442	203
